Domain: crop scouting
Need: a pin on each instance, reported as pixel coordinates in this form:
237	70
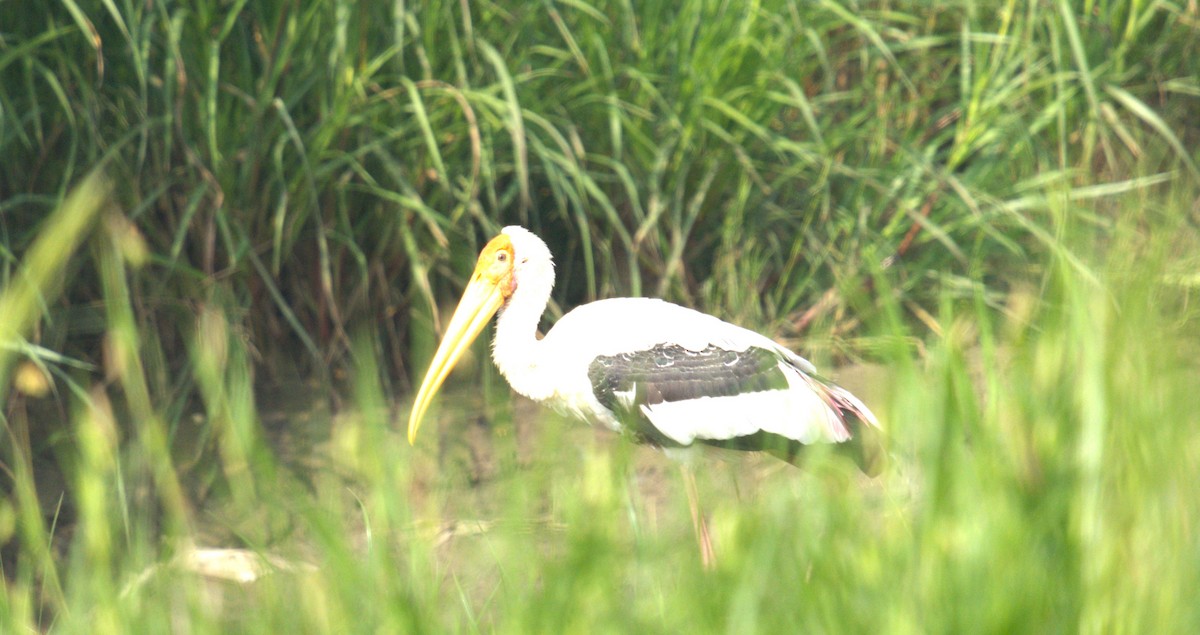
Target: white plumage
611	327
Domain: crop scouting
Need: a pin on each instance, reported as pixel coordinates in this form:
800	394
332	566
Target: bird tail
866	442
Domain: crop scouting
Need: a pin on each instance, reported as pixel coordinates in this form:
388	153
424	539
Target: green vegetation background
996	203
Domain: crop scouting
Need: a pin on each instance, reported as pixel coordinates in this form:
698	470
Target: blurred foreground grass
279	178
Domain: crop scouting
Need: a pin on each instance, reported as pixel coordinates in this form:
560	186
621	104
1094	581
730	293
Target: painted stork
661	373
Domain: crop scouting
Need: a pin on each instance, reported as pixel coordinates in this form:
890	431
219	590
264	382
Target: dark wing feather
624	382
669	372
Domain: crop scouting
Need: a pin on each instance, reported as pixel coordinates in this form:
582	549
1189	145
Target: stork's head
532	262
511	256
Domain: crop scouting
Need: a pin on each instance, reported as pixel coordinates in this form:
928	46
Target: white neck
516	350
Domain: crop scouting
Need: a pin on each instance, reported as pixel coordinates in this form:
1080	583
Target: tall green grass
319	160
218	218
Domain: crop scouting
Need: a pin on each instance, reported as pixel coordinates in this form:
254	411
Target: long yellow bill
490	286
